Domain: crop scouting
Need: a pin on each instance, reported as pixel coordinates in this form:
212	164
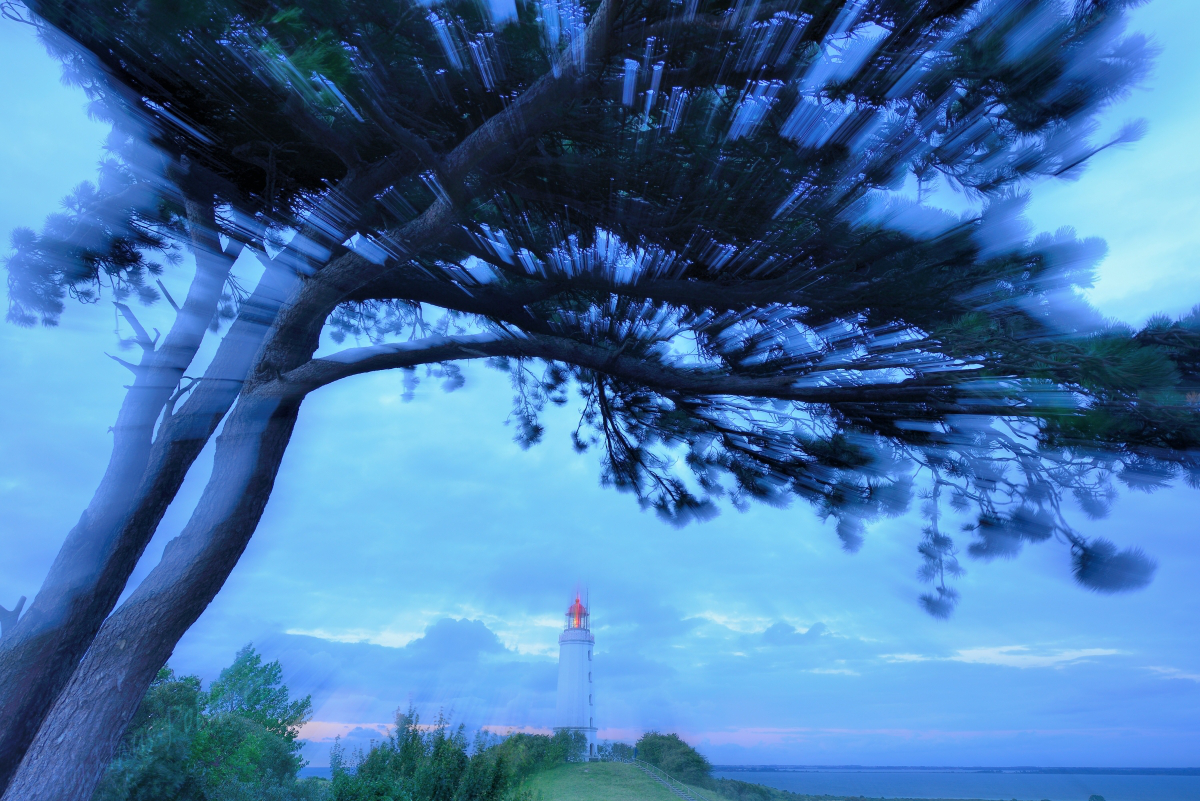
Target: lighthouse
576	707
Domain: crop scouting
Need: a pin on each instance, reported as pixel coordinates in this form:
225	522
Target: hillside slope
617	781
597	781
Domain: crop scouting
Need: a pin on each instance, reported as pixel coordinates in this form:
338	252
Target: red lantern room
577	615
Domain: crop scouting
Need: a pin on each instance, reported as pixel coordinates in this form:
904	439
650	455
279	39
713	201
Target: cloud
444	640
326	730
739	623
459	665
456	641
782	634
1020	656
388	638
905	658
1175	673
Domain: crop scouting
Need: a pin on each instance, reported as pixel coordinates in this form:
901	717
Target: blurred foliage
736	196
107	236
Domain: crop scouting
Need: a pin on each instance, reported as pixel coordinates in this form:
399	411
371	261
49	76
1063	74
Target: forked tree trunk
82	732
107	685
181	438
137	639
87	577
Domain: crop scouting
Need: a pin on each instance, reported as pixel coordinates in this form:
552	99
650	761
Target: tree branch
299	326
935	394
139	332
8	617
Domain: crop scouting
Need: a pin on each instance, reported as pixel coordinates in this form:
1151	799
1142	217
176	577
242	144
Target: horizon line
1130	771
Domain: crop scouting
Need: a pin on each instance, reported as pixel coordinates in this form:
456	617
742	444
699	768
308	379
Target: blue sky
413	553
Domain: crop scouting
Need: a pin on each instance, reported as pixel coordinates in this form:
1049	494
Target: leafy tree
745	791
236	741
688	214
525	754
239	758
254	691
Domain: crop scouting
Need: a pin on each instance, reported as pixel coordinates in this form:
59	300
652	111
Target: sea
986	784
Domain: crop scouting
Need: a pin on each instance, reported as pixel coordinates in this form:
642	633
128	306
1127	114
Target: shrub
418	763
672	755
235	742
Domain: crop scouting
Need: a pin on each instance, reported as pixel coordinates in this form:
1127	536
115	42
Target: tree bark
145	473
39	653
933	393
80	735
9	617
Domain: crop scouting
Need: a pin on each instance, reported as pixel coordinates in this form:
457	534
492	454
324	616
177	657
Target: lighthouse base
592	750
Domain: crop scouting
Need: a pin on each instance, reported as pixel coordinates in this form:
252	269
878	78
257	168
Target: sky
412	553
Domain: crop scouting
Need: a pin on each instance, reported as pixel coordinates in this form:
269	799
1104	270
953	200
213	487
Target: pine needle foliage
715	224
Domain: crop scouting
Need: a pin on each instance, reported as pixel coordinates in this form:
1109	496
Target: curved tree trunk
82	732
136	640
87	577
101	718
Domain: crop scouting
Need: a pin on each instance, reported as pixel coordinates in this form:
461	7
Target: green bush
236	742
434	763
743	791
616	751
670	754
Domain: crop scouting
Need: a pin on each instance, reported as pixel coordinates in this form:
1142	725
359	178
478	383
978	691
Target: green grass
616	781
597	781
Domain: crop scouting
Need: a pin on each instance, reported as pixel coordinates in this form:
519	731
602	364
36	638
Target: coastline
1086	771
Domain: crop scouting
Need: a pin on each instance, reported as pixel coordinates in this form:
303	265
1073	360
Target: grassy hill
596	781
618	781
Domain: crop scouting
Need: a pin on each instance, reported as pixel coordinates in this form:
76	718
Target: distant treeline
237	741
436	763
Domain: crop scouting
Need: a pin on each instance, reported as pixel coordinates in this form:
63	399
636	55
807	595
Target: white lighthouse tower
576	700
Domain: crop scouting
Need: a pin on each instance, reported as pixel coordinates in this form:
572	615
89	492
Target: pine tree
698	216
